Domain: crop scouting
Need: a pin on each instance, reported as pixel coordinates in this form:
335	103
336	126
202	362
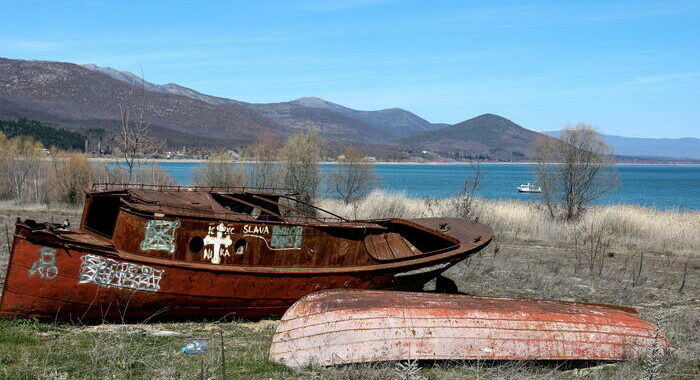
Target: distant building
232	154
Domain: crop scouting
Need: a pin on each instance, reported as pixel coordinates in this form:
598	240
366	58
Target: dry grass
219	171
523	264
628	227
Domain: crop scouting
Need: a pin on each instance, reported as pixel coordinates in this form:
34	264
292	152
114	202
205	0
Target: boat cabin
246	227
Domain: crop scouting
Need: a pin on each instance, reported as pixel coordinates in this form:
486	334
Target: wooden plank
398	245
378	247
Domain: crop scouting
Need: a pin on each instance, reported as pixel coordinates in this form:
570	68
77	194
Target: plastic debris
195	347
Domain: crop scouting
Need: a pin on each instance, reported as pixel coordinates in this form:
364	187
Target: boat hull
64	283
340	327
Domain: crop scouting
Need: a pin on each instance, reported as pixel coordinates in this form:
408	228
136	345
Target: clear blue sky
628	67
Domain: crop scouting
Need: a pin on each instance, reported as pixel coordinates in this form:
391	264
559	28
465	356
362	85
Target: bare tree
265	154
134	137
574	170
300	157
354	176
464	202
219	172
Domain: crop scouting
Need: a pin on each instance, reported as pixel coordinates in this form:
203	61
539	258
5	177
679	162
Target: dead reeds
602	229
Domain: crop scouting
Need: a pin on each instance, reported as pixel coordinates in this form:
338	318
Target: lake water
661	186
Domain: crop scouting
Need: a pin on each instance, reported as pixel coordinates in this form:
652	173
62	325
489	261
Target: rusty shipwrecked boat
183	252
336	327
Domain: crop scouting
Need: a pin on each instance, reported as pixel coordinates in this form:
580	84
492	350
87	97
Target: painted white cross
217	241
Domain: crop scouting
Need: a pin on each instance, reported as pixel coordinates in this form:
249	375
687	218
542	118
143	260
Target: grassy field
637	262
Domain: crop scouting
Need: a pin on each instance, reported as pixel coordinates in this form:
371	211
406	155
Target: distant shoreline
201	160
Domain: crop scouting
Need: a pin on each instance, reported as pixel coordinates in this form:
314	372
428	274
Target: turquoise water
673	186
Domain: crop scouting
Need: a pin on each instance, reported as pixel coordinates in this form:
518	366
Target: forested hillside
48	136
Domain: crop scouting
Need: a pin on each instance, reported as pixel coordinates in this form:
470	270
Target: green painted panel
286	237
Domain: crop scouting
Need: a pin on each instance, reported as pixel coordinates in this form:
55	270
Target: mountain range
81	97
682	148
336	122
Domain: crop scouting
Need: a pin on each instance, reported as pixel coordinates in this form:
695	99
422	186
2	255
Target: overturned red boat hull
341	327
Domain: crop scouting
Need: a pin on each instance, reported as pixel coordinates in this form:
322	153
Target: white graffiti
219	238
247	229
114	274
45	267
160	235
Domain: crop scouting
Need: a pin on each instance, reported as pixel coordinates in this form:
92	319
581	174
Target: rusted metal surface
192	252
350	326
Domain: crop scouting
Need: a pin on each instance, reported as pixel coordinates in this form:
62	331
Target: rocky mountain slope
169	88
332	125
335	122
77	97
394	121
487	137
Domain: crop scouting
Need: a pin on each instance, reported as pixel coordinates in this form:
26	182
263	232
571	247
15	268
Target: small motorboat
529	188
189	252
337	327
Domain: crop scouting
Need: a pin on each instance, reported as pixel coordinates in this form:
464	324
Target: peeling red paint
179	252
339	327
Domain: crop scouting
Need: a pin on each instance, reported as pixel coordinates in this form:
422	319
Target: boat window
196	244
102	215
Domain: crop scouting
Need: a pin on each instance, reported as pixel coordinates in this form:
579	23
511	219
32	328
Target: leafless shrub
21	170
599	242
154	175
354	176
6	164
150	174
70	175
582	173
219	172
264	168
300	157
464	202
591	243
